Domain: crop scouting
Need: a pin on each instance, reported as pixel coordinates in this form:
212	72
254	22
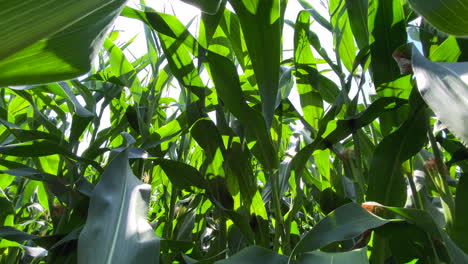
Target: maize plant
231	140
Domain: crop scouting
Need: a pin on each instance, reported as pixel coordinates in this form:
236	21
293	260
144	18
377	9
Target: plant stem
279	231
170	218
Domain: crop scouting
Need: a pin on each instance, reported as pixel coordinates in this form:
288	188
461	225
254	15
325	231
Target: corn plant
220	146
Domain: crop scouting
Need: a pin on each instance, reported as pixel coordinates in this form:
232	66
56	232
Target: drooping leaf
79	109
448	16
182	175
36	148
13	234
444	88
344	223
116	230
60	49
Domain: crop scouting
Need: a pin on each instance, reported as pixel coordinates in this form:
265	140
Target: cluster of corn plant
219	146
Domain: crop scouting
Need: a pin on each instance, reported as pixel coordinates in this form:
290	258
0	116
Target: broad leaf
62	48
13	234
344	223
182	175
116	229
444	88
358	13
425	221
387	27
262	26
448	16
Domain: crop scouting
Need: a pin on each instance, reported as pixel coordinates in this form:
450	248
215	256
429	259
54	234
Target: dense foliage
199	152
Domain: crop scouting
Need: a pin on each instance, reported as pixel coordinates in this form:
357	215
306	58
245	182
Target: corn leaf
444	89
346	222
60	49
262	26
388	32
449	16
386	180
116	229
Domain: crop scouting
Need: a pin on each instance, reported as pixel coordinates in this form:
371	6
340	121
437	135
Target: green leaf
316	15
342	34
358	13
227	84
387	26
255	255
346	127
426	222
13	234
123	69
386	180
209	23
62	48
262	27
447	51
182	175
116	225
444	89
241	167
207	136
448	16
340	129
319	257
307	76
35	148
79	109
27	32
461	214
346	222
